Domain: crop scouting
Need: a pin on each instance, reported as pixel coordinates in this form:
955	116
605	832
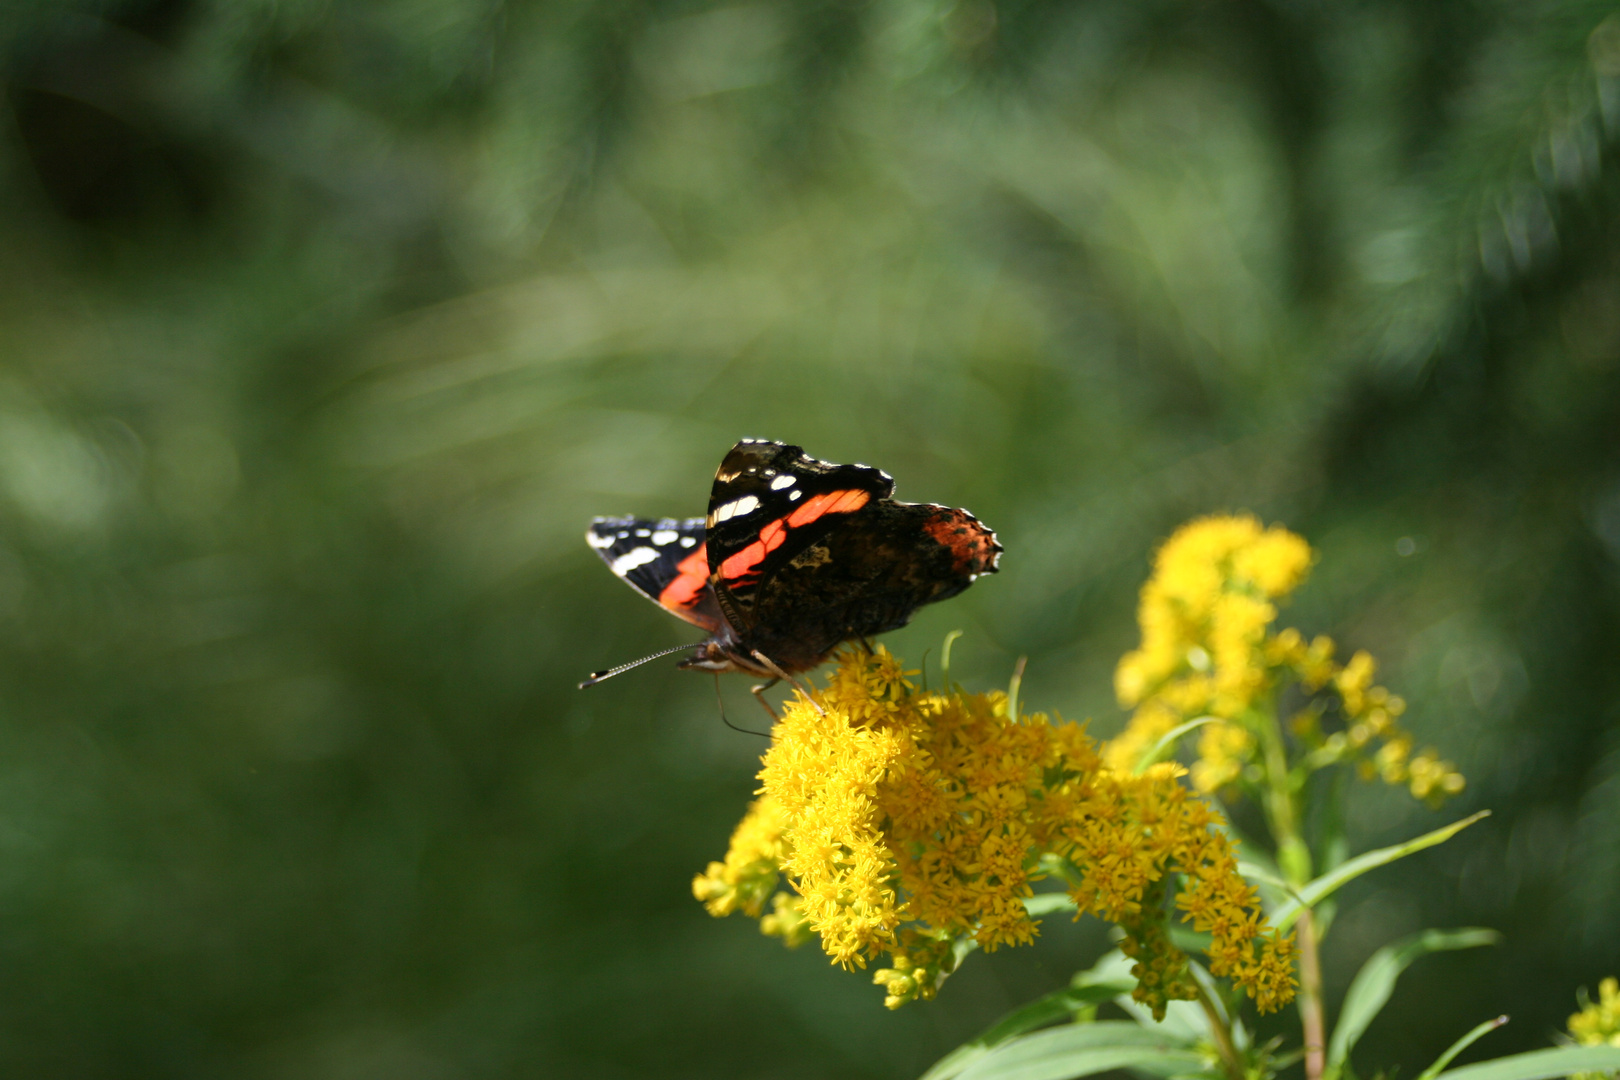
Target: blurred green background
326	325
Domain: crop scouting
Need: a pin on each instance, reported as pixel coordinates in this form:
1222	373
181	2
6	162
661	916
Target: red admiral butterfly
795	557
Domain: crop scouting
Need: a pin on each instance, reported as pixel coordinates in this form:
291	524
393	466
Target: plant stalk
1293	858
1223	1037
1310	997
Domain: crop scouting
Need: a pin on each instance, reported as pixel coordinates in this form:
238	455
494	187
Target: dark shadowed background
326	325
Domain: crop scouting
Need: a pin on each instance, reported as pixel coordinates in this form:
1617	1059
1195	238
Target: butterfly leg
719	699
759	692
770	666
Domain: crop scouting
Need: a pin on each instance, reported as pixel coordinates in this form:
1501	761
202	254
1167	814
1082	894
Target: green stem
1223	1037
1294	859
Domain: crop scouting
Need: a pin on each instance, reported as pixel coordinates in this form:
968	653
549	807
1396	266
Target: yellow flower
907	822
1598	1022
1205	615
1209	649
748	875
822	771
786	921
1222	751
921	963
1353	680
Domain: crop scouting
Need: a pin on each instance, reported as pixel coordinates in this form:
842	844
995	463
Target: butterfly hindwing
664	560
771	501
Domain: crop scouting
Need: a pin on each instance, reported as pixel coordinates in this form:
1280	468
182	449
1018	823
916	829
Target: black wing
664	560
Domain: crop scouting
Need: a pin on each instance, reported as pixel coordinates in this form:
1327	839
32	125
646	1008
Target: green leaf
1047	903
1459	1046
1167	744
1183	1021
1013	687
1105	980
1541	1064
1083	1050
1260	875
945	660
1058	1005
1374	983
1189	940
1323	887
1112	967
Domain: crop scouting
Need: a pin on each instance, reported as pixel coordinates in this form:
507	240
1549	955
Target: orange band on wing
833	502
773	535
690	576
770	538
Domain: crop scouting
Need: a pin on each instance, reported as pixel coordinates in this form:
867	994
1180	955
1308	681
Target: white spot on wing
687	541
643	532
664	536
633	558
598	540
793	496
745	505
783	481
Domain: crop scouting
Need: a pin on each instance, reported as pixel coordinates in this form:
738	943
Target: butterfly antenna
603	676
722	703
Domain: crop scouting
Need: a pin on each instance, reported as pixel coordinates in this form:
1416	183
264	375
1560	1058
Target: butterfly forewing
771	500
665	560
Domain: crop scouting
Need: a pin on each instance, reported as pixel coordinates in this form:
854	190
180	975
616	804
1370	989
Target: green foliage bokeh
326	326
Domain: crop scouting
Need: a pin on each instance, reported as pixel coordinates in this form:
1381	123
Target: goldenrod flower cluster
1370	713
749	874
912	824
1598	1022
1209	650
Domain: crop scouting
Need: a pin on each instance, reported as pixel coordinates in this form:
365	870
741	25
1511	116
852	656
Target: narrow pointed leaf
1166	746
1460	1045
945	660
1112	967
1083	1050
1047	903
1374	983
1184	1022
1058	1005
1260	875
1326	885
1540	1064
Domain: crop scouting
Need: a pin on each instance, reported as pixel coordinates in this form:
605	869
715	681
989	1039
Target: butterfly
795	557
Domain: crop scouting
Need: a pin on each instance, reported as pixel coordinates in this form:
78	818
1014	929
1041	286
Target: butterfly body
794	557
